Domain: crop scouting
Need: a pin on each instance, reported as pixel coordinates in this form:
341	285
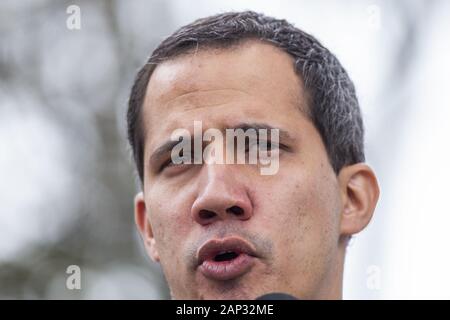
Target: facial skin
299	219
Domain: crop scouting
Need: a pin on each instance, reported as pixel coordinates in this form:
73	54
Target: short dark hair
332	104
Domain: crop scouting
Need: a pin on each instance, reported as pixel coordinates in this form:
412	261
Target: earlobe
144	226
360	192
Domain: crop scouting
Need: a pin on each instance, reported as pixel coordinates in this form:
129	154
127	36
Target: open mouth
226	256
225	259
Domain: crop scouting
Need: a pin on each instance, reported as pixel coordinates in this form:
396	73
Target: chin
226	291
227	296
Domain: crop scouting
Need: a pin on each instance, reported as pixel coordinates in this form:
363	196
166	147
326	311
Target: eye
186	161
167	163
269	145
263	145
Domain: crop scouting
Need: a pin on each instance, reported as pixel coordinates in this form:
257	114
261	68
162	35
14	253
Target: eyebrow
167	146
283	134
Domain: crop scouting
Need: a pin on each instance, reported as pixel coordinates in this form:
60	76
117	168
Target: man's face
286	225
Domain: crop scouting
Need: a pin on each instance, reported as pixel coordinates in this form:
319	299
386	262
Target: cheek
300	213
171	222
315	204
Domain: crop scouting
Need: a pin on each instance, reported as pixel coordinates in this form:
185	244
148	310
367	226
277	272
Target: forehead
254	81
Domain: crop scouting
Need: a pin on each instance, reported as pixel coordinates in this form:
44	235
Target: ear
142	220
360	192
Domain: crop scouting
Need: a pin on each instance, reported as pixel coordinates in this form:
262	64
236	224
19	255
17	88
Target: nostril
206	214
238	211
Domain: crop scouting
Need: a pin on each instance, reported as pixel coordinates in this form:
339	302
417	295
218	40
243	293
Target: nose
221	196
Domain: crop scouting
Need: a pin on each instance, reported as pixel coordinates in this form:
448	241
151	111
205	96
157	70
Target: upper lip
213	247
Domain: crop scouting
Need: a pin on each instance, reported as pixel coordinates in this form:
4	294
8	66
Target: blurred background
67	180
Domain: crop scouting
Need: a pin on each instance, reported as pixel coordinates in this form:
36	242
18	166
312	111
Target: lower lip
227	270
